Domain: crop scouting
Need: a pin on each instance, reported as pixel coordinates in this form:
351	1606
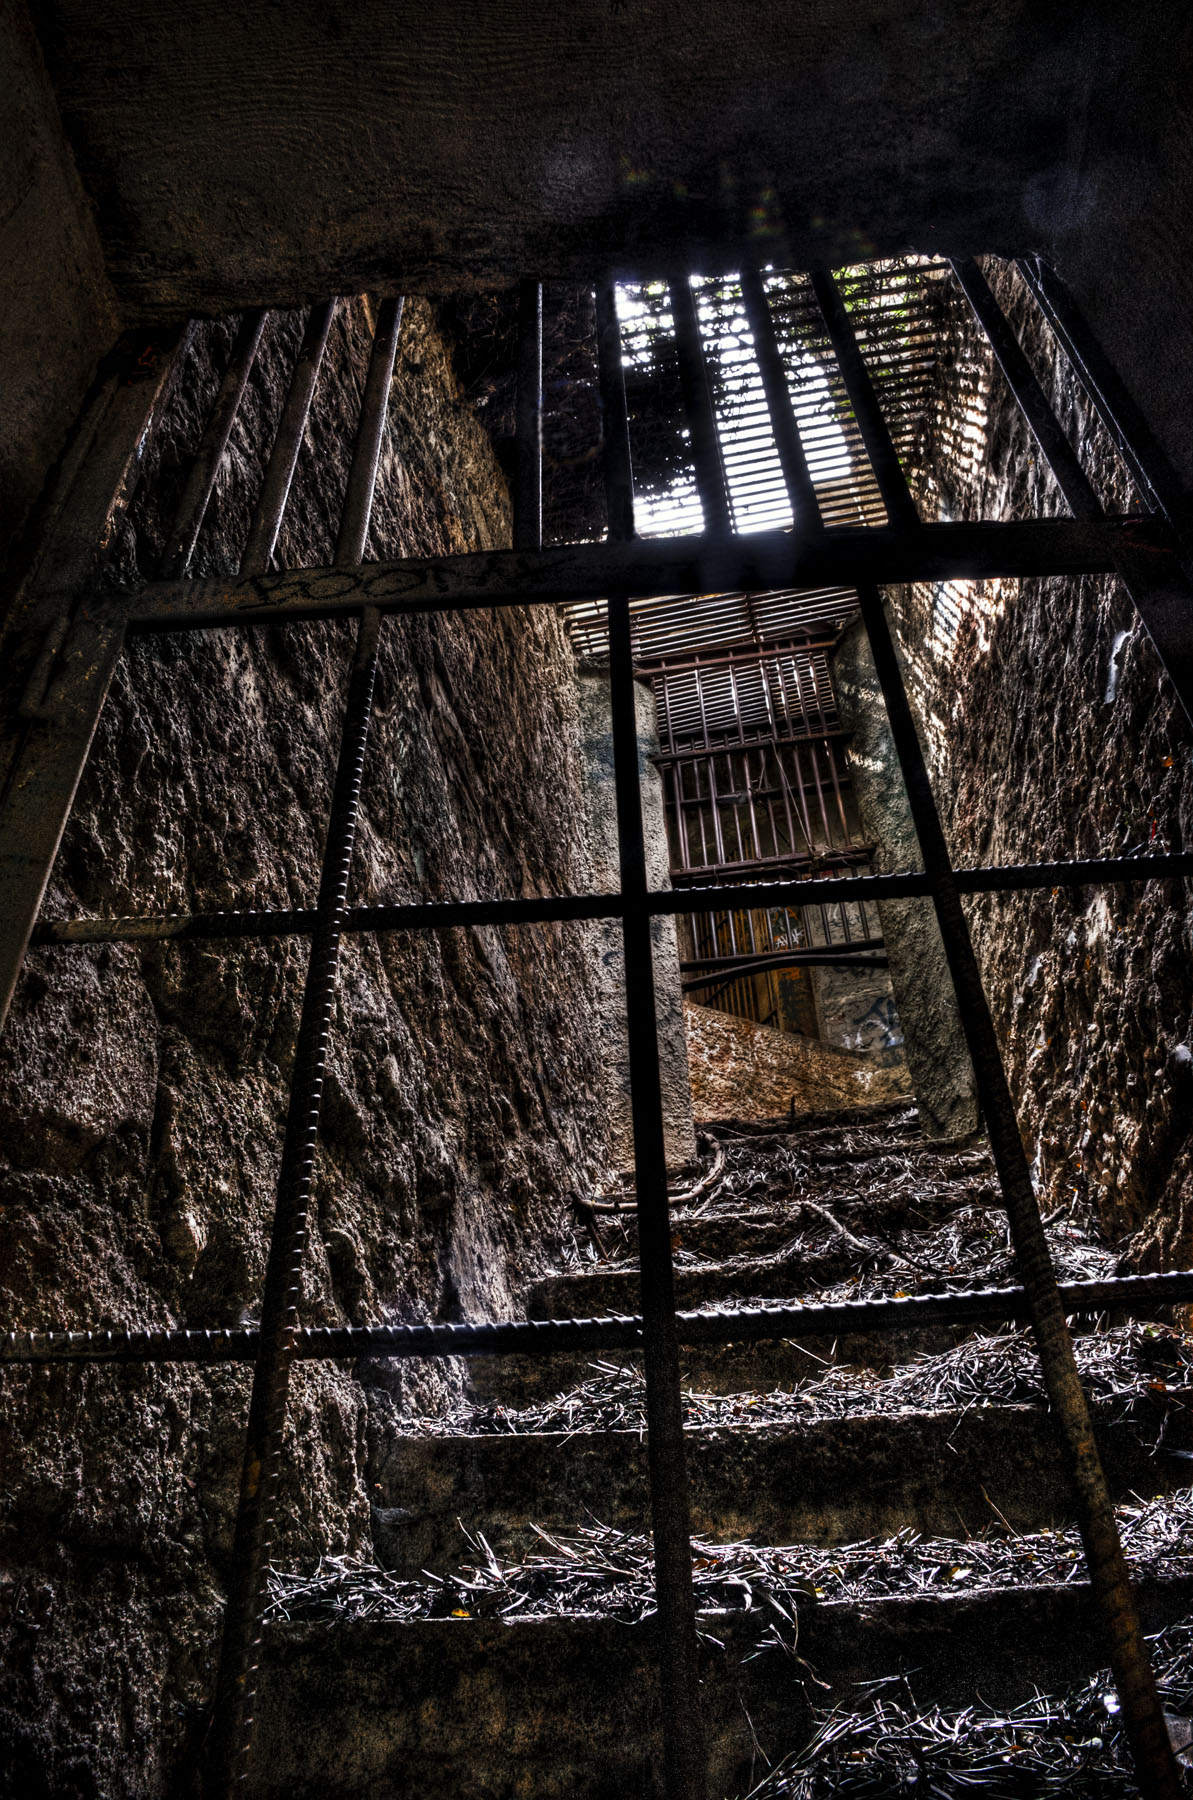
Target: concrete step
726	1229
583	1295
558	1707
759	1368
823	1482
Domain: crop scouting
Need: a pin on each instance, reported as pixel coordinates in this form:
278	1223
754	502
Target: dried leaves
598	1571
1145	1368
1069	1745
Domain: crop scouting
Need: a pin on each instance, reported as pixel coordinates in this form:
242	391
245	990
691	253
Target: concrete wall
483	138
57	316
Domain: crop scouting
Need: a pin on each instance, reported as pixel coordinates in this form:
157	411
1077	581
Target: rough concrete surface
59	315
533	136
1091	989
345	1711
142	1091
830	1482
747	1071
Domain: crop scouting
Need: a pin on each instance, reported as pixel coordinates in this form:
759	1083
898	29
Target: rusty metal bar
528	442
61	648
648	669
200	483
439	914
719	966
679	1677
659	567
283	458
1033	403
805	508
1110	1578
1158	586
615	423
1133	1295
1151	470
707	461
366	454
236	1689
875	434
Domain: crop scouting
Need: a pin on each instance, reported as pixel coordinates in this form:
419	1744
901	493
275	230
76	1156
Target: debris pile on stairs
891	1596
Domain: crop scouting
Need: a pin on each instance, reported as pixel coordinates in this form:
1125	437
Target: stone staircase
863	1506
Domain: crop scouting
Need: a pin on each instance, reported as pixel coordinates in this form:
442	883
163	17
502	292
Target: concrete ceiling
271	152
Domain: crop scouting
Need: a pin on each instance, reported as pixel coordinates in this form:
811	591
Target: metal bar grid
278	1341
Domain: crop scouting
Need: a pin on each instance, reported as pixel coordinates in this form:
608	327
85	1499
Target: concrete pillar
937	1058
596	727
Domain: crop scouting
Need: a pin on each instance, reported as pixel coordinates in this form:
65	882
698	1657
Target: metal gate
77	628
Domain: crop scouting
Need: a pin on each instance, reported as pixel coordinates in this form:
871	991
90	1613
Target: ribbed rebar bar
709	897
200	483
1110	1579
1138	1296
374	408
1157	584
283	458
236	1689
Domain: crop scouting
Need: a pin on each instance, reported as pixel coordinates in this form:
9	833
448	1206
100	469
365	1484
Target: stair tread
561	1705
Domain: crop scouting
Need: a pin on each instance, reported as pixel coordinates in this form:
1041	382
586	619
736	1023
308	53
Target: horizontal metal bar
1148	463
811	953
545	1337
651	668
564	908
727	746
840	557
736	969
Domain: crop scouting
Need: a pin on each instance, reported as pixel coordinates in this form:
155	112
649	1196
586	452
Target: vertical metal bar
1030	397
698	405
1109	1576
879	445
832	767
374	409
237	1682
1154	475
785	795
283	458
805	509
200	483
44	780
679	783
62	651
619	478
1161	592
678	779
683	1737
700	812
528	444
731	776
